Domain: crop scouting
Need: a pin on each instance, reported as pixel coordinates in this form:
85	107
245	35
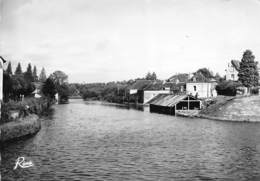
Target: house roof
167	100
147	85
140	84
155	85
236	64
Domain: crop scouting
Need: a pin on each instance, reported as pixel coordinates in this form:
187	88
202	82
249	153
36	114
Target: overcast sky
106	40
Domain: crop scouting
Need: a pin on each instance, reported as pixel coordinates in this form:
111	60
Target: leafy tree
35	76
18	70
64	93
42	77
154	76
151	76
19	87
205	72
9	69
59	78
49	88
248	73
7	86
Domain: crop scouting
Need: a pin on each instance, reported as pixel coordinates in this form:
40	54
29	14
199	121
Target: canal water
95	141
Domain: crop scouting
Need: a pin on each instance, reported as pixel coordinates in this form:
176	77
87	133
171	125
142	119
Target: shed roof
167	100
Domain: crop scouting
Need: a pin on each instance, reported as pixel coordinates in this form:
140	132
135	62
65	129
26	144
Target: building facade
202	89
232	70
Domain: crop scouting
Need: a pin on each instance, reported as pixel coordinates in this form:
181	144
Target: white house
232	70
201	87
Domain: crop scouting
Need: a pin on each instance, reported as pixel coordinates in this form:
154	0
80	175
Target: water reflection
138	107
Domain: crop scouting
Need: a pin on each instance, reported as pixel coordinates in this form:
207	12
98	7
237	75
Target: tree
49	88
42	77
154	76
64	93
205	72
19	87
151	76
9	69
248	73
59	78
7	86
28	75
35	76
18	70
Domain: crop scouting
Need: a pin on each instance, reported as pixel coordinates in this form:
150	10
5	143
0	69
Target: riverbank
28	125
21	119
237	109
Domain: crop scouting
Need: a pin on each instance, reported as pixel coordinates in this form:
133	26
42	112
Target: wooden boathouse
171	104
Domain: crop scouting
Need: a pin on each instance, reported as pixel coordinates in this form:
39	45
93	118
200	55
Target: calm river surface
93	141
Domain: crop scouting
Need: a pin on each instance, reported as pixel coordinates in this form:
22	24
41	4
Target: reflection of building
232	70
202	87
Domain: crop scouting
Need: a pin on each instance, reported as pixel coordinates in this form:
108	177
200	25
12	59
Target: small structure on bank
171	104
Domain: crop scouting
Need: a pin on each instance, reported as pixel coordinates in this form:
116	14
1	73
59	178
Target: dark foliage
28	75
205	72
248	73
9	69
151	76
35	76
227	88
49	88
18	70
64	93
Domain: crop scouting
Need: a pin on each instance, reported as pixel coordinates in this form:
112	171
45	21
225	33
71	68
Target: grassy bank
22	118
13	110
21	127
233	109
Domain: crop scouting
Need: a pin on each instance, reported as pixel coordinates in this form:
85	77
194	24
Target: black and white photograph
115	90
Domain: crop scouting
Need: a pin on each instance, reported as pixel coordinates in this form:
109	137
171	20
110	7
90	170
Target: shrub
24	108
227	88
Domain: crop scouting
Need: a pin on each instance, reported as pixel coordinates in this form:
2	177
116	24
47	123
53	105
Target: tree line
248	77
23	84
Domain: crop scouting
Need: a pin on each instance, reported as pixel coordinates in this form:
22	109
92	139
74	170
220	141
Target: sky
114	40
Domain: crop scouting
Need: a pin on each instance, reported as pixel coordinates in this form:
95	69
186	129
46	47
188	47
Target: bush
254	90
227	88
24	108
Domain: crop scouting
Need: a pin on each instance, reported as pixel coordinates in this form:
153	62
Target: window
195	88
